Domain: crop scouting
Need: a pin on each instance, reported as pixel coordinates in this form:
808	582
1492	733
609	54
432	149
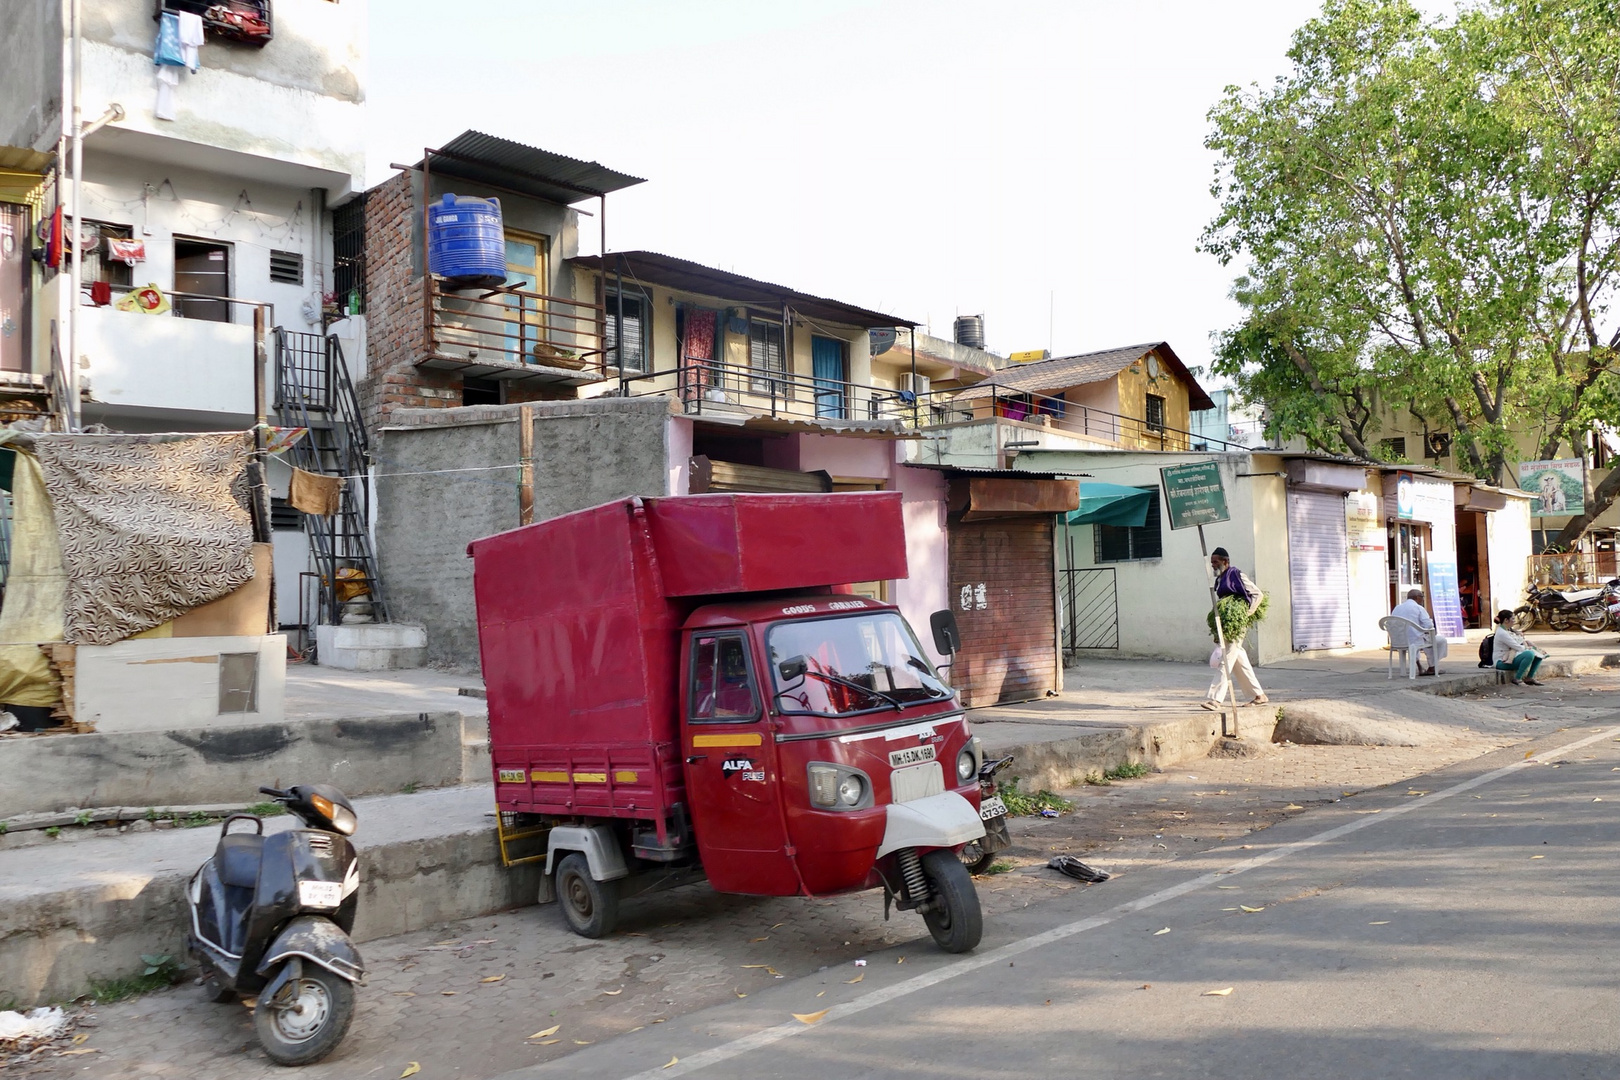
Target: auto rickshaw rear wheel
953	916
590	906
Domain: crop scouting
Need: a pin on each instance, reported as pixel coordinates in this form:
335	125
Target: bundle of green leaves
1235	617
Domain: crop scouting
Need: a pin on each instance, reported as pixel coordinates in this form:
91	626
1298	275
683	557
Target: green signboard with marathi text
1194	495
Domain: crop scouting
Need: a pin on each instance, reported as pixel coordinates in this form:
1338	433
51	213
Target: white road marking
874	998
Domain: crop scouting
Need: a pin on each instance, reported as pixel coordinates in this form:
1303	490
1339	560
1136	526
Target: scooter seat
238	856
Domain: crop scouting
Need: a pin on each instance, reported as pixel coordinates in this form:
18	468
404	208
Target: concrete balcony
188	369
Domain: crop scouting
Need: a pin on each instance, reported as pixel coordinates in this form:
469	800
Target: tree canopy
1426	215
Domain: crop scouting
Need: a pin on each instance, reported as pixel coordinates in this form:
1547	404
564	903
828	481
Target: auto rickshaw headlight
851	789
966	765
823	785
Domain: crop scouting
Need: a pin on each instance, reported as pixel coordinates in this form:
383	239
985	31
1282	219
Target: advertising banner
1364	522
1444	598
1559	486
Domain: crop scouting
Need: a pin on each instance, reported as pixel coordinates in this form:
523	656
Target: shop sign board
1418	498
1194	494
1364	522
1559	486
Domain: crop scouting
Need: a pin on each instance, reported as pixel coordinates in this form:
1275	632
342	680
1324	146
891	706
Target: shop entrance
1409	543
1474	569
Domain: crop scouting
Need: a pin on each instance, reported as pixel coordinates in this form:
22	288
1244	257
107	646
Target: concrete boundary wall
363	756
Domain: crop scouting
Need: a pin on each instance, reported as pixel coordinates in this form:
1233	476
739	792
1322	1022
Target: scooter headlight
966	764
851	789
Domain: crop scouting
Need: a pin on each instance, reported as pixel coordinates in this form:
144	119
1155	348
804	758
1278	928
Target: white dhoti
1236	660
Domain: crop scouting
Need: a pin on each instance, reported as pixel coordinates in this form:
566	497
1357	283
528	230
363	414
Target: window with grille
1155	412
1119	543
627	309
1394	448
99	263
349	256
287	267
767	355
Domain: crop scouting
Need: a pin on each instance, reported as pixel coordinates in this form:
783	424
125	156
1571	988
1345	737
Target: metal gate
1090	616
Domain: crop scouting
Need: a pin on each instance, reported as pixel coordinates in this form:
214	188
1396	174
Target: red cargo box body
579	619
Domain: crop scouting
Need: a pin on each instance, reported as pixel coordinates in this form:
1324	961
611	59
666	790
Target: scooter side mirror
947	639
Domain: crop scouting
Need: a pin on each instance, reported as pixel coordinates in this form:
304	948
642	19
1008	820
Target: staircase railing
313	391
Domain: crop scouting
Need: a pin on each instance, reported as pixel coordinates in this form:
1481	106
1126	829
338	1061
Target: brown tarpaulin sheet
150	526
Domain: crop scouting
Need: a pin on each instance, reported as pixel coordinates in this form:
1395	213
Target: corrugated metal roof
1044	376
486	159
651	268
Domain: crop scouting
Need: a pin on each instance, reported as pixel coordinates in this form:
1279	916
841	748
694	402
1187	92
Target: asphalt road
1463	925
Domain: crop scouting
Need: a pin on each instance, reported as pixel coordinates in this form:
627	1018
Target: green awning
1112	504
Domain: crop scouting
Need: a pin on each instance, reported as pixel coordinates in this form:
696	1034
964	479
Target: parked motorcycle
977	855
1581	608
271	916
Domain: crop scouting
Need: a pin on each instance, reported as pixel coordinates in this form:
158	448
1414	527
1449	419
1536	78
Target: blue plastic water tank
465	240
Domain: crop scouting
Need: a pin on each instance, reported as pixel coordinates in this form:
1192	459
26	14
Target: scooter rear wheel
954	917
311	1025
590	906
974	857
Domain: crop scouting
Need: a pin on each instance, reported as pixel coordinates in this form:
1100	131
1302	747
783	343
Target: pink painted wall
844	456
922	503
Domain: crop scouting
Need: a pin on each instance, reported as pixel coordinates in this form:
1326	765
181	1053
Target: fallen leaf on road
773	926
492	978
453	941
672	1062
1384	923
1217	993
822	994
857	978
1048	1001
773	971
1156	933
1538	856
548	1042
1246	907
1293	806
751	940
901	960
80	1039
250	1003
739	993
485	941
404	993
1597	800
75	1053
1229	886
1529	754
447	993
582	1042
548	1033
614	993
752	966
660	1019
1369	811
1228	909
410	1070
1417	792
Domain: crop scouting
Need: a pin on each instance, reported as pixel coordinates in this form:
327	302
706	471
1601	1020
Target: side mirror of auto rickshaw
792	668
947	639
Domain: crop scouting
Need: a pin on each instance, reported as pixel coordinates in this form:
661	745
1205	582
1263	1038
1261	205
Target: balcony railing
703	386
514	326
987	402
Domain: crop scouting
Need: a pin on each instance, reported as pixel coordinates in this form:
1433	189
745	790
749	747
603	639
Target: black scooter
978	854
271	915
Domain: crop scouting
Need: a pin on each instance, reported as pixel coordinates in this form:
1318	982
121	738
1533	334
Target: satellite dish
882	340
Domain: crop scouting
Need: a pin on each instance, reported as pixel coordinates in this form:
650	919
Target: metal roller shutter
1001	575
1318	570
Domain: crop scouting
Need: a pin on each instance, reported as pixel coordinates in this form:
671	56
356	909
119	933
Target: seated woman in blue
1513	653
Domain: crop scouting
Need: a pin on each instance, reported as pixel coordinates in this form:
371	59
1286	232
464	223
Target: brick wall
396	338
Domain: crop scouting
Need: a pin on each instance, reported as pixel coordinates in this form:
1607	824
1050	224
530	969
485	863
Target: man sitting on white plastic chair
1415	631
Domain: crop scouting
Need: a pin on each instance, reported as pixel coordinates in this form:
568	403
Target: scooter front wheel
308	1020
953	915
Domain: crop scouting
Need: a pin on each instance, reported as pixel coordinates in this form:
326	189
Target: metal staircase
313	391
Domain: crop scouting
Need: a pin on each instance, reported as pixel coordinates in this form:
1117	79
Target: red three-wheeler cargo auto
679	688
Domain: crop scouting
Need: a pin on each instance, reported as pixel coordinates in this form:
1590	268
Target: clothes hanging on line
191	38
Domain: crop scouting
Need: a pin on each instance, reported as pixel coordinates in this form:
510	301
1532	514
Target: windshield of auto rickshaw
853	664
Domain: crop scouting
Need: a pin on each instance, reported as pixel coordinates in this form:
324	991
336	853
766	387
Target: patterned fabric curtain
150	526
697	352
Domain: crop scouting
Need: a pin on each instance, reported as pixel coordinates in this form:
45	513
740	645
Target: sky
1041	164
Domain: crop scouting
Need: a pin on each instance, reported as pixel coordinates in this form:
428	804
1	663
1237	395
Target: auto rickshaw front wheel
590	906
953	915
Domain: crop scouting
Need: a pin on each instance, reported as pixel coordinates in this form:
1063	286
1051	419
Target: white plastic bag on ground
39	1024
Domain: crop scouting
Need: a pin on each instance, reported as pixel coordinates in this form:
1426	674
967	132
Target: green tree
1427	214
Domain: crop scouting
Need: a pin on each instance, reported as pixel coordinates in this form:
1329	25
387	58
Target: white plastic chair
1417	638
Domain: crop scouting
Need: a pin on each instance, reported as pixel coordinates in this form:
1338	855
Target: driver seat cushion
238	856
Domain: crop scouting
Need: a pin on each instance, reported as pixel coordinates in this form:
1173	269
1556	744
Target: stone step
371	646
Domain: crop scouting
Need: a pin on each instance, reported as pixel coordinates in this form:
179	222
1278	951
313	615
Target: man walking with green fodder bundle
1241	604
